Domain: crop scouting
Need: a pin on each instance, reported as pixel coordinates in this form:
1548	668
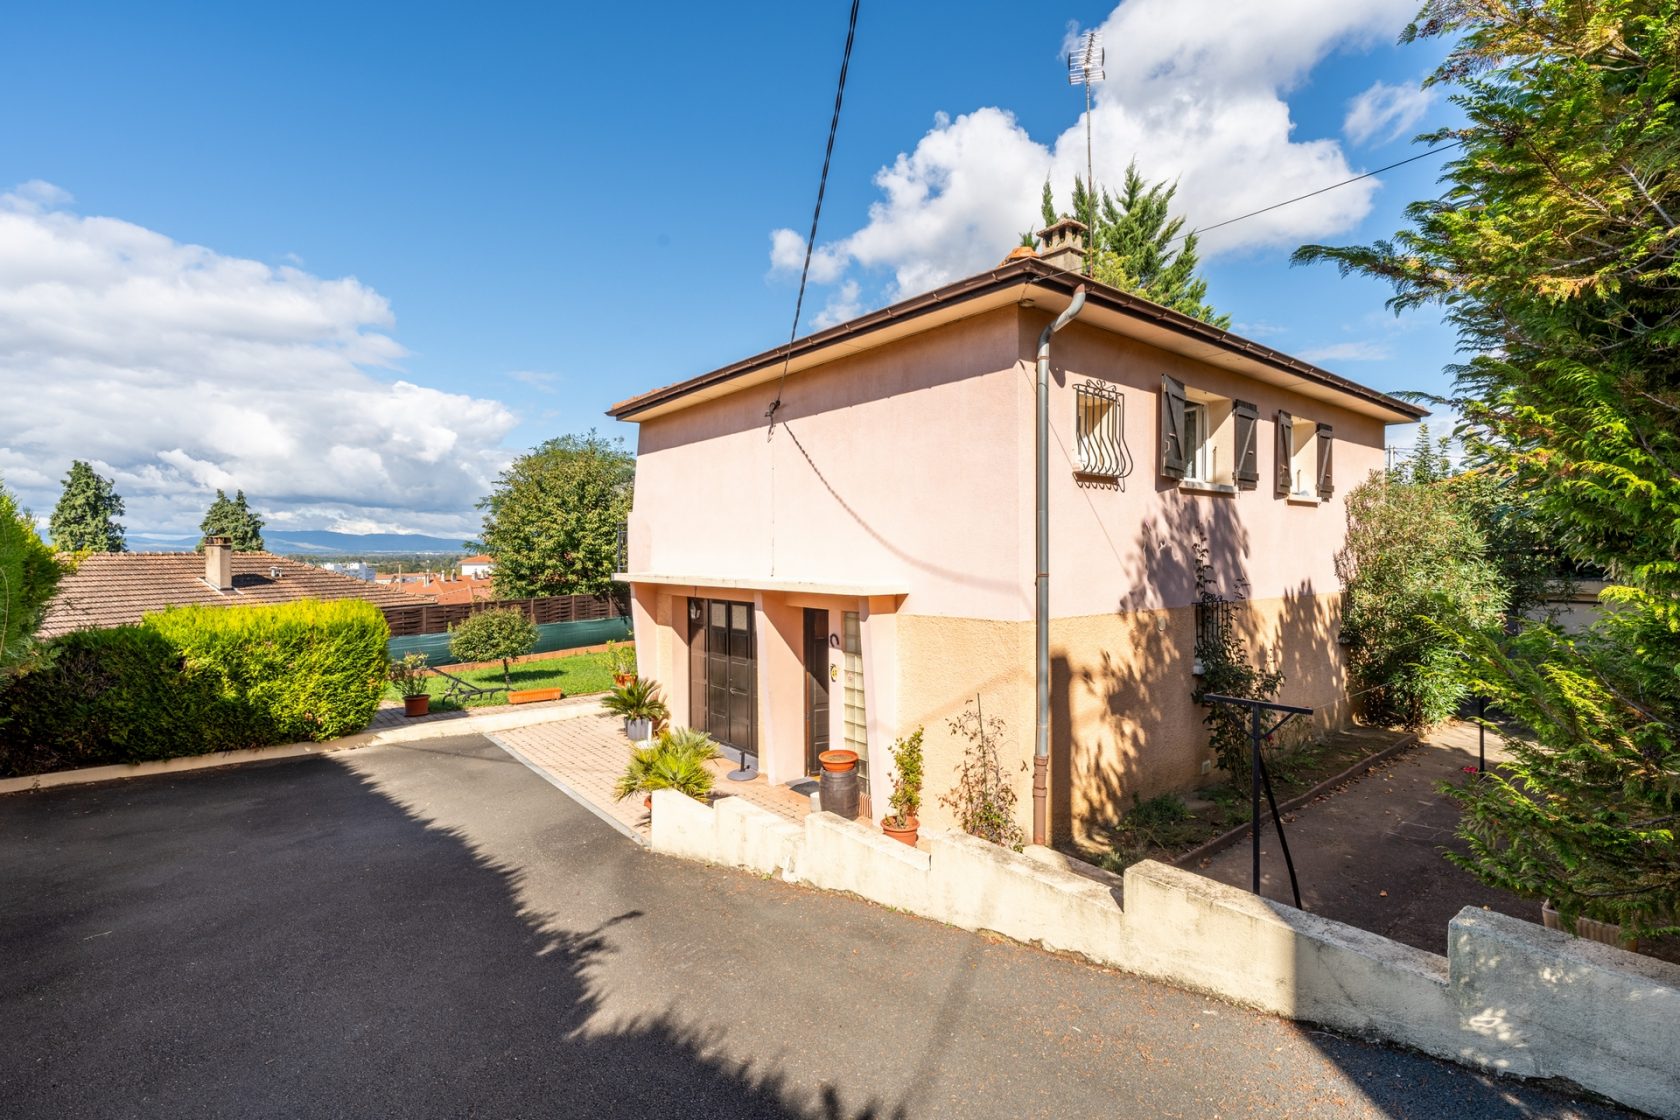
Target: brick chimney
218	563
1064	245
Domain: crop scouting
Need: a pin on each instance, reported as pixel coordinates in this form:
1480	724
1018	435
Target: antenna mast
1085	65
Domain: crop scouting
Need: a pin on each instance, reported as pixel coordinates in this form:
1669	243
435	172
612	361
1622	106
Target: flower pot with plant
621	657
409	678
641	706
676	760
906	799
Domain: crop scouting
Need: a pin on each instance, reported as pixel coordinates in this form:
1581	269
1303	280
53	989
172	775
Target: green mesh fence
550	636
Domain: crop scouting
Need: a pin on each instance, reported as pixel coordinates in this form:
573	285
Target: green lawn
579	674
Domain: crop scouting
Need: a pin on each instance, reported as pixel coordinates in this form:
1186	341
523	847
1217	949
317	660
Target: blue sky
351	258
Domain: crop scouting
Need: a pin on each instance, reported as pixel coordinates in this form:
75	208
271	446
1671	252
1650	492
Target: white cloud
1385	111
844	304
787	254
177	370
1364	351
1195	92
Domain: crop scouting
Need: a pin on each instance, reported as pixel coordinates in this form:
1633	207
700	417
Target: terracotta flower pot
905	835
838	761
417	705
647	802
1589	929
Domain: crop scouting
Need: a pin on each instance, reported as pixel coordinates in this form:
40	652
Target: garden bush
192	680
305	670
108	696
498	635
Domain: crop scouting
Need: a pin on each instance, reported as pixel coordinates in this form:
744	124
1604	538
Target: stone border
1226	839
497	719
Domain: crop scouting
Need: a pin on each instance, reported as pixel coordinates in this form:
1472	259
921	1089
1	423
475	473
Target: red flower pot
417	705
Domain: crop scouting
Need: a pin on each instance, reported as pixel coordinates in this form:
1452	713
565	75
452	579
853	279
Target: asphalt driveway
431	930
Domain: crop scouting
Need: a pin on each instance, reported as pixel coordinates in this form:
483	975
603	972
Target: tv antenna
1085	65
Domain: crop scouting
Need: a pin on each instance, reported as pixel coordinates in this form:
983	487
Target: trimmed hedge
194	680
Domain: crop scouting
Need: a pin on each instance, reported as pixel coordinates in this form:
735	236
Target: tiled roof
117	588
479	559
462	589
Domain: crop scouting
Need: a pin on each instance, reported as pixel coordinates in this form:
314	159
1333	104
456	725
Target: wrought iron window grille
1100	415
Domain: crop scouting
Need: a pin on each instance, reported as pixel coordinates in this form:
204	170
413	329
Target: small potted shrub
640	704
621	656
409	677
676	760
906	800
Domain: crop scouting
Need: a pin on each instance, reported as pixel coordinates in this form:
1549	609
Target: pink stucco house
865	564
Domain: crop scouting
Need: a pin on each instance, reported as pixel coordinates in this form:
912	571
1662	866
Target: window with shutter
1247	460
1326	482
1285	452
1172	427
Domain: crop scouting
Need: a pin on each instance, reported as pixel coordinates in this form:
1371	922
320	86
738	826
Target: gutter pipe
1041	729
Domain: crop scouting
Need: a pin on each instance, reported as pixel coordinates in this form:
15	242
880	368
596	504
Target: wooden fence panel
437	618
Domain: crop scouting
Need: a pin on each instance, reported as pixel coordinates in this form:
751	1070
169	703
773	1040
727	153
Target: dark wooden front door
816	686
723	669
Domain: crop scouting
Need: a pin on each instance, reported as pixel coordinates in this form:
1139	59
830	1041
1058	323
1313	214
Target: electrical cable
1310	194
822	187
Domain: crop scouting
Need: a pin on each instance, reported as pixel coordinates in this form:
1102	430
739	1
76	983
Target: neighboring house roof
464	589
118	588
1046	287
479	559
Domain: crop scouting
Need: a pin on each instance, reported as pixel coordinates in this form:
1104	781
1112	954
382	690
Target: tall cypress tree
1131	241
234	520
85	519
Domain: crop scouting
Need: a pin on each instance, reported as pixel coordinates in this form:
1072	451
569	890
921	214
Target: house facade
865	564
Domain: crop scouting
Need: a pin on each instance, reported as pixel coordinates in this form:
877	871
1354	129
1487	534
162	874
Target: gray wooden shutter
1172	427
1326	481
1247	458
1285	423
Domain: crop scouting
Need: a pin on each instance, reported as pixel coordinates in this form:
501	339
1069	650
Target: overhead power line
1319	191
816	214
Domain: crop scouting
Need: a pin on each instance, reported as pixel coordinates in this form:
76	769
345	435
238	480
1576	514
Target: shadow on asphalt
251	943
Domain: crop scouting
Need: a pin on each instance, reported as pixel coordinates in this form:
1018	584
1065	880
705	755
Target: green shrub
304	670
28	576
109	696
1415	570
676	760
498	635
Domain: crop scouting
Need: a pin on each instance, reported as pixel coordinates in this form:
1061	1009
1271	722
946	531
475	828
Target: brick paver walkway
587	754
390	713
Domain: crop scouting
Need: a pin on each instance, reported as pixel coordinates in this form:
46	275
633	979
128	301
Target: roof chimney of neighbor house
218	563
1064	245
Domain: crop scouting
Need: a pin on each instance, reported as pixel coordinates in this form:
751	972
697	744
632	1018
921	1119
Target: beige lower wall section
1509	997
1123	727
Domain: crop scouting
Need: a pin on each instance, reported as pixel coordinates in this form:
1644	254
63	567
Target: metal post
1254	788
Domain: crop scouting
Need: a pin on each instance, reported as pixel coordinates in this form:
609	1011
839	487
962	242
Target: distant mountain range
318	541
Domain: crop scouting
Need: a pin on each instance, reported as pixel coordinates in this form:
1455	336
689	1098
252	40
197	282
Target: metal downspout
1041	729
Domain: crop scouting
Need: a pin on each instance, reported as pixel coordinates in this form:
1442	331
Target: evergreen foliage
1226	671
29	574
85	519
1130	242
498	635
192	680
1415	571
906	797
1555	251
676	760
553	519
234	520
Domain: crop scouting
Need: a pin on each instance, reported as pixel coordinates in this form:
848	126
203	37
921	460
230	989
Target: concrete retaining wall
1510	996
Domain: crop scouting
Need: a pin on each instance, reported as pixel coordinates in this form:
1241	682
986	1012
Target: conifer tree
85	519
234	520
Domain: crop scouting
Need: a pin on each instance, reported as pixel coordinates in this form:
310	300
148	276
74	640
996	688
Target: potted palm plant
640	704
676	760
409	677
906	799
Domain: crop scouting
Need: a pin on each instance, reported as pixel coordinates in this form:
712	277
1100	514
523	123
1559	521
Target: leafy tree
498	635
234	520
85	519
1555	251
1415	570
29	574
1131	244
553	520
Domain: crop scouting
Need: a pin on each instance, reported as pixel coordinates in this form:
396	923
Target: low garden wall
1510	996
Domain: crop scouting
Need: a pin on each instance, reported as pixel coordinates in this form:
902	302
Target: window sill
1303	500
1196	487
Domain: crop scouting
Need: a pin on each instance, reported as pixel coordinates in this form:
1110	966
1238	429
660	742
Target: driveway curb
566	789
1224	840
475	723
